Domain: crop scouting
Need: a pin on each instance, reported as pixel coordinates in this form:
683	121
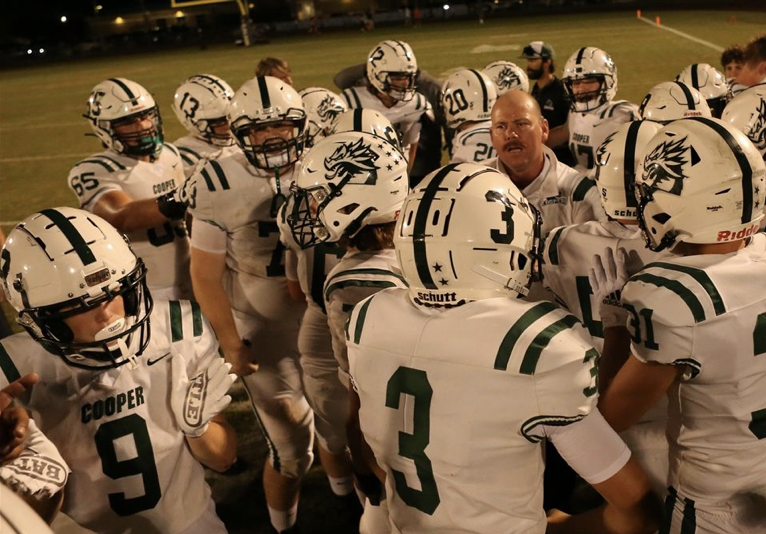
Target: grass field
42	133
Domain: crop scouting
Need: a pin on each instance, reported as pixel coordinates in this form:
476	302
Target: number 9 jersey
164	249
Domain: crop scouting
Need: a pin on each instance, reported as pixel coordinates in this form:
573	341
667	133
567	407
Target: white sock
283	520
341	486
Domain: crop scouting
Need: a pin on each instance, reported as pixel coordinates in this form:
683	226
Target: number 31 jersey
164	249
454	404
131	466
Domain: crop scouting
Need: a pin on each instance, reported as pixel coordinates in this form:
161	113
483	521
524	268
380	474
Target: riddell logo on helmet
726	235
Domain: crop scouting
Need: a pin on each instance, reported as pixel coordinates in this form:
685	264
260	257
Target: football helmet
346	182
262	102
466	233
702	181
116	102
711	84
616	162
62	262
507	76
370	121
468	95
322	110
590	62
201	103
747	113
670	101
392	58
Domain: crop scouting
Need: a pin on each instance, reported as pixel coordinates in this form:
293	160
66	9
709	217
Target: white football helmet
262	102
468	95
370	121
507	76
118	101
322	110
590	62
617	160
467	233
747	113
670	101
62	262
392	58
702	181
346	182
201	103
711	84
16	516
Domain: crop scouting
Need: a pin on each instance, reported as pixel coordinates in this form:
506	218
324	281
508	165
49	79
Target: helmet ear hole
58	329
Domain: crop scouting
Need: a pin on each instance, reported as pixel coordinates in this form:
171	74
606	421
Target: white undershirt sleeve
208	237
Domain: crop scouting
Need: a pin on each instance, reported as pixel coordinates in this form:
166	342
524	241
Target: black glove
369	485
170	206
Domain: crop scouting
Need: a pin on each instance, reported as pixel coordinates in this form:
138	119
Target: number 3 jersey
708	313
473	144
455	403
164	249
132	470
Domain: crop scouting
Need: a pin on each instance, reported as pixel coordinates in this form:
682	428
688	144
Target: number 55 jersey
456	403
132	470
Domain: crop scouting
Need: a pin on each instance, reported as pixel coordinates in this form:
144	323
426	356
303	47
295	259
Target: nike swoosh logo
152	362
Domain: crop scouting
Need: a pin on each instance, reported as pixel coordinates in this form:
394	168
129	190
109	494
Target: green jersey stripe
691	300
759	337
114	161
360	317
187	159
694	366
670	504
189	151
548	420
356	283
513	335
535	349
689	522
356	103
98	162
208	180
585	185
7	366
381	272
173	149
553	247
176	321
196	319
701	277
219	172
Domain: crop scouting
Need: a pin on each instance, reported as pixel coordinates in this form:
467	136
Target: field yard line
684	35
9	223
38	158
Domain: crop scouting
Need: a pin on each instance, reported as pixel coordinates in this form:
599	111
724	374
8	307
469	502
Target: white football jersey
357	276
164	249
455	404
404	116
568	258
708	313
561	194
474	144
588	131
132	470
195	152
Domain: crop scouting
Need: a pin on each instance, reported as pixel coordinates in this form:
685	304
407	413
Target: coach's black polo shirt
554	103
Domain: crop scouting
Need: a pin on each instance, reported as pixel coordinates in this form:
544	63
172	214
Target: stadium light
119	20
63	18
42	50
29	51
179	14
99	7
446	7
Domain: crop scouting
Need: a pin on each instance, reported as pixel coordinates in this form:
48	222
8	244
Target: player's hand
243	359
607	277
14	422
197	400
370	485
171	206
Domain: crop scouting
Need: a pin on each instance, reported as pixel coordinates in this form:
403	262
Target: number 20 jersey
131	465
164	249
454	404
708	313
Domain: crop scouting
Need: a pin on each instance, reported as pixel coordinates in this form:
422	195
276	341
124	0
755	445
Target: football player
436	366
754	67
590	78
710	83
696	324
130	389
731	60
201	104
467	99
391	72
506	76
747	113
669	101
561	194
276	67
132	185
322	110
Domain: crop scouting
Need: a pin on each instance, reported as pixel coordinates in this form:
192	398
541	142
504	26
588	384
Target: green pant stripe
585	185
360	317
689	523
678	288
196	319
701	277
513	335
7	366
176	321
670	503
535	349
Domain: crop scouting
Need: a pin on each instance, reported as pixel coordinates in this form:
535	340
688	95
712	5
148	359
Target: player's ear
545	128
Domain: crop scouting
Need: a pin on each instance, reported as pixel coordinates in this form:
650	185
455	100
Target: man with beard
549	92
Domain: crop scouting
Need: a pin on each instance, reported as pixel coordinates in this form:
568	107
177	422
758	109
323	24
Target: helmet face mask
590	63
47	284
392	70
201	104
